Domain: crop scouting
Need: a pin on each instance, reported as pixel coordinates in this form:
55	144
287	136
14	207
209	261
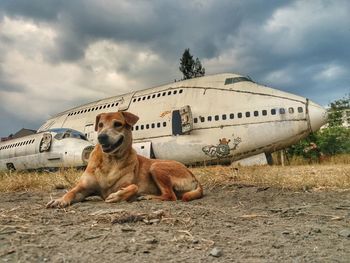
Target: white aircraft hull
43	150
224	116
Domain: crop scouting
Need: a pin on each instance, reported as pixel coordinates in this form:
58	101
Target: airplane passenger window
158	125
136	127
224	116
164	124
153	96
148	97
256	113
232	116
195	120
247	114
273	111
202	119
133	100
282	111
169	92
264	112
142	127
147	126
138	99
143	98
158	95
180	91
209	118
153	125
300	109
216	117
175	91
239	115
109	105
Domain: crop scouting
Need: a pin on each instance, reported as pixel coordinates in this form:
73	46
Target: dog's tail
194	194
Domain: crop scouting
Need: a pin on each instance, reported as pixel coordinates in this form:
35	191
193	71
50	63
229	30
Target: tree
336	109
189	67
335	139
199	71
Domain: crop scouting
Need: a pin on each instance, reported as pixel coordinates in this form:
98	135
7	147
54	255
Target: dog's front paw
60	202
114	197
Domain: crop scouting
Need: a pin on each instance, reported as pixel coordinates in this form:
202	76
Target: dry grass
288	177
299	177
42	181
325	160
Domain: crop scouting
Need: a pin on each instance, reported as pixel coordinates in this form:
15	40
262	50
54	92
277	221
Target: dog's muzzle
107	145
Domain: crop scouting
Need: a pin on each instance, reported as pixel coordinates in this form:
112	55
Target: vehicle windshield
236	80
68	133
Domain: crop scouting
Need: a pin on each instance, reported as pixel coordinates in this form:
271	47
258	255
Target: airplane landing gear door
144	149
182	121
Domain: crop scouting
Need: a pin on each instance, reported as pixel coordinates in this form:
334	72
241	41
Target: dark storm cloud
35	9
168	27
297	46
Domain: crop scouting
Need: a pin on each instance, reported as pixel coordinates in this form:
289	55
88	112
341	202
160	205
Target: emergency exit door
182	121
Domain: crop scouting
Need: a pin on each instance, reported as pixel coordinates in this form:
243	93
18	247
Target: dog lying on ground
116	172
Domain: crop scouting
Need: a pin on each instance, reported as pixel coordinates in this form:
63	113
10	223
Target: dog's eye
100	125
117	124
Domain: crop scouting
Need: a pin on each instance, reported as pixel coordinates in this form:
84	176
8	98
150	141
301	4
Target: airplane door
125	102
45	143
90	133
182	121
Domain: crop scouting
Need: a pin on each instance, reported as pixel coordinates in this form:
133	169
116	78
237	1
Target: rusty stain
163	114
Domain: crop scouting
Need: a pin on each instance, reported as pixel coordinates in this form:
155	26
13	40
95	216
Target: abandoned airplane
211	118
50	149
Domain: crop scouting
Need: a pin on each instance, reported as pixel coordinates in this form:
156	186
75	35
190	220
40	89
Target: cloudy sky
57	54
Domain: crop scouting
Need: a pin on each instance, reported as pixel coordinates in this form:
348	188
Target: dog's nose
102	138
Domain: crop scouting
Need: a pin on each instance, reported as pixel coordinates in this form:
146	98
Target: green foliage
189	67
335	139
329	141
335	110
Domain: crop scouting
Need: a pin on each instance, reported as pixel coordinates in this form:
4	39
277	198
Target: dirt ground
230	224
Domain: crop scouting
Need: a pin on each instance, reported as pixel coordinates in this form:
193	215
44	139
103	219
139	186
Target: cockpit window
68	133
236	79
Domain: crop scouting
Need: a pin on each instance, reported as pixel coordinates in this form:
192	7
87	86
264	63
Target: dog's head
114	131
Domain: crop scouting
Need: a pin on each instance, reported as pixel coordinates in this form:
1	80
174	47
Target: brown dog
116	172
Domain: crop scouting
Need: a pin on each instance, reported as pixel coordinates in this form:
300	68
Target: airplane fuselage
224	116
49	149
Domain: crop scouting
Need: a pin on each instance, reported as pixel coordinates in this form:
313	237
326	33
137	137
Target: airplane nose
318	116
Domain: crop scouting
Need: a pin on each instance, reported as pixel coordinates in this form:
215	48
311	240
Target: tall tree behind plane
189	67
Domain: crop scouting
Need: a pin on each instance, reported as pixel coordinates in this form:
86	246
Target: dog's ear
97	121
130	118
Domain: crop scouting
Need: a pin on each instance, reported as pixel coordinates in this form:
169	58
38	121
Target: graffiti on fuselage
222	149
